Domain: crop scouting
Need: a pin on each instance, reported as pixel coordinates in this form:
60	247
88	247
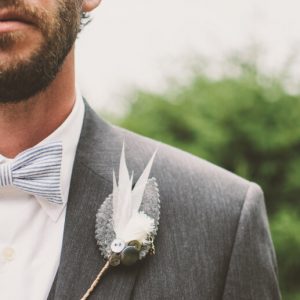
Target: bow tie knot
36	171
5	174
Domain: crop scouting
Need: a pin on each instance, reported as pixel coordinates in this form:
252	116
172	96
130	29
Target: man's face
35	38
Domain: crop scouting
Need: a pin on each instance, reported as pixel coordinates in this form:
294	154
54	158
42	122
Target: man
213	239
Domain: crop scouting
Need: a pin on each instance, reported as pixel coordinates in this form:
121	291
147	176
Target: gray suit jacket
213	240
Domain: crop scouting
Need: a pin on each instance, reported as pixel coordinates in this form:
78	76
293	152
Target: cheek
47	4
33	38
50	7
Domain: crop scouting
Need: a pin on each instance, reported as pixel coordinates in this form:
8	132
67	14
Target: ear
89	5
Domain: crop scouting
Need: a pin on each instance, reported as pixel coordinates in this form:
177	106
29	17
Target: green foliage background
247	122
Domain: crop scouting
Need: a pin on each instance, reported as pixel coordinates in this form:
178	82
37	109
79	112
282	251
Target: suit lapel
97	154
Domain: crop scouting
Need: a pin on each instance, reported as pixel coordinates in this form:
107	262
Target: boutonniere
127	221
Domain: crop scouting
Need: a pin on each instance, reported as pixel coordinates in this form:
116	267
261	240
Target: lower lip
9	26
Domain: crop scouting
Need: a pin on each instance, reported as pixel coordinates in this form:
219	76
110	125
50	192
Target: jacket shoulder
179	170
201	208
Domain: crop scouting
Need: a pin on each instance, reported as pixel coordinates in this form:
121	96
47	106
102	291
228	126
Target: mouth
14	16
12	20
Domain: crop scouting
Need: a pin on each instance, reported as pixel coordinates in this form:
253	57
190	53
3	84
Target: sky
139	44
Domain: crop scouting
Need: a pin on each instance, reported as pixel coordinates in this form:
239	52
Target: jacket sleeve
252	271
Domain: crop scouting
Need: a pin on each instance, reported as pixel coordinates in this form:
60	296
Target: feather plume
128	222
139	189
137	228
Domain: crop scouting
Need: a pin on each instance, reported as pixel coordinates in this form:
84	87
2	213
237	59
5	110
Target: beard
23	78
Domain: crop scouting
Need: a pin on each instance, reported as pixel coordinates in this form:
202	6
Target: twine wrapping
96	281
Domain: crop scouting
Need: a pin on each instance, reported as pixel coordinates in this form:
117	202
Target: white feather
128	223
139	189
115	197
126	208
138	228
121	196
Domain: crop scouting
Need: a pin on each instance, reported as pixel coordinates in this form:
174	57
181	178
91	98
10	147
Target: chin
20	43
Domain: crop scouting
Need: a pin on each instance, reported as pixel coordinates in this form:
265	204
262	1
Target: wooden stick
96	281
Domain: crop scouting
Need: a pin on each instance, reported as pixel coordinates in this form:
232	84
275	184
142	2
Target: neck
25	124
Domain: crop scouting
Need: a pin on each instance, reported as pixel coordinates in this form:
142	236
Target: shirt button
8	254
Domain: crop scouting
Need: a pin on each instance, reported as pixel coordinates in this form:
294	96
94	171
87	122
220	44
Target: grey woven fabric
213	240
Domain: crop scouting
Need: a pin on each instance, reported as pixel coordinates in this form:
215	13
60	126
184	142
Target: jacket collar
97	154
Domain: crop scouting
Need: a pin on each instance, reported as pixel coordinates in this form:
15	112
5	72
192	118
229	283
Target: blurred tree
285	231
246	122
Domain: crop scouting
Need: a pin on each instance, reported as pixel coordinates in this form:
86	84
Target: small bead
136	244
115	260
129	256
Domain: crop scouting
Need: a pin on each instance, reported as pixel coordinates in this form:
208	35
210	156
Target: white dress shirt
31	228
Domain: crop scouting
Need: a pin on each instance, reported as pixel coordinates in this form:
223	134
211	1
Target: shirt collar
68	133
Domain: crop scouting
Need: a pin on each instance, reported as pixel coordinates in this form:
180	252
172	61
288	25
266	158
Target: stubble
23	78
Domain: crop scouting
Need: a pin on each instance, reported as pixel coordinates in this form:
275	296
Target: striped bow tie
36	171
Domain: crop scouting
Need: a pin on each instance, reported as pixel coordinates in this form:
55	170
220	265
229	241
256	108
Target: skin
22	125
